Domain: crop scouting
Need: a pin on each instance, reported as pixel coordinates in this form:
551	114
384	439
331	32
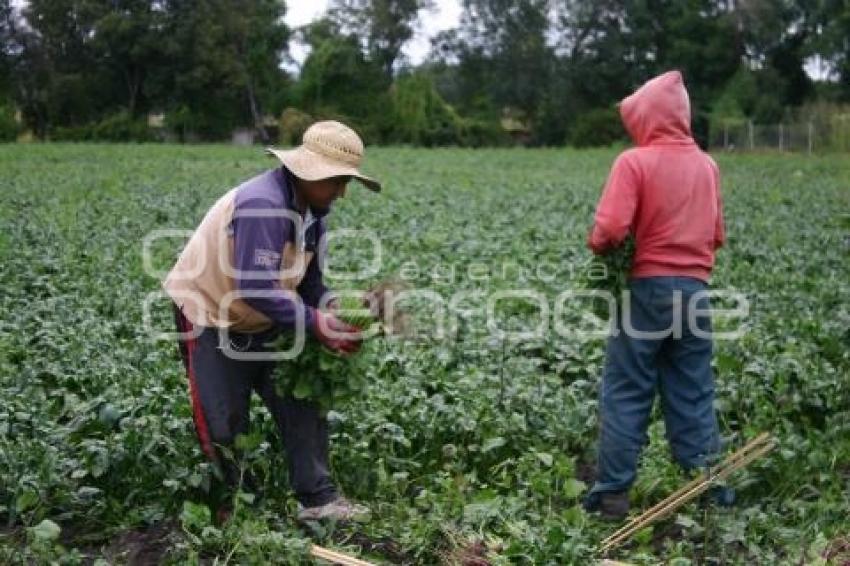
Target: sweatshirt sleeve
719	223
258	242
616	209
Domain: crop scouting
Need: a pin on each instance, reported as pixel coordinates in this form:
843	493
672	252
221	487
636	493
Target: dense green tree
58	51
8	126
383	26
504	62
831	41
548	70
81	61
421	116
211	64
6	48
612	47
29	74
778	35
225	63
128	42
339	80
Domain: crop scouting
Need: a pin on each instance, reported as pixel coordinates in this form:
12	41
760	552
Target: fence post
725	136
781	137
751	135
811	135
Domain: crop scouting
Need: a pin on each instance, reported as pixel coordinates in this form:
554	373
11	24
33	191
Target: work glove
334	334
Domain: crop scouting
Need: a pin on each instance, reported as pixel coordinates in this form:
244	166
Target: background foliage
75	68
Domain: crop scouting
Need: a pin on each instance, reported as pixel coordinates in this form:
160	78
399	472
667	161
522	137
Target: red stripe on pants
185	326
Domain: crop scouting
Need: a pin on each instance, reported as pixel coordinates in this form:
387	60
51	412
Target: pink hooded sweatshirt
665	191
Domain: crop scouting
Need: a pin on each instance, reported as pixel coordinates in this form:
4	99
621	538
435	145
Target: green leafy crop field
470	449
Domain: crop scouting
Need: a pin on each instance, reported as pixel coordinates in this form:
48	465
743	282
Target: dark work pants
638	367
220	388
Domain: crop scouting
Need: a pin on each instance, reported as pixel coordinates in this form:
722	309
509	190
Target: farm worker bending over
251	268
666	194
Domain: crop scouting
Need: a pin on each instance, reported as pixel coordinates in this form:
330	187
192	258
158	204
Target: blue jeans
678	367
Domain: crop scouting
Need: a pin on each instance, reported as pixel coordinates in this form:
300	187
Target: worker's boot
721	495
613	505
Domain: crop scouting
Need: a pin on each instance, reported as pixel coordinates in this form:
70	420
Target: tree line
538	72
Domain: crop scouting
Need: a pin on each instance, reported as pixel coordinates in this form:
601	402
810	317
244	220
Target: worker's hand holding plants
336	335
334	368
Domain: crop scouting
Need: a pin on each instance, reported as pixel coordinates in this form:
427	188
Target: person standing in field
666	194
250	271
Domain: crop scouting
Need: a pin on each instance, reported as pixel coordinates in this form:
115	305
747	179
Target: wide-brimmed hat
329	149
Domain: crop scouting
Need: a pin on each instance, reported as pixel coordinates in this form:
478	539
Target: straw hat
329	149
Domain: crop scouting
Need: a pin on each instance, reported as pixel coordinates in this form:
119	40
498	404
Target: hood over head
659	112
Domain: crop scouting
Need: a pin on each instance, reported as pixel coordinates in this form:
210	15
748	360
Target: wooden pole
648	518
756	448
734	457
335	557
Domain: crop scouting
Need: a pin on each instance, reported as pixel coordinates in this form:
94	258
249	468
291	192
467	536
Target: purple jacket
258	241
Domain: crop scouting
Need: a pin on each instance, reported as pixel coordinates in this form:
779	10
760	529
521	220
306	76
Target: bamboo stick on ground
730	460
336	557
752	451
651	516
648	518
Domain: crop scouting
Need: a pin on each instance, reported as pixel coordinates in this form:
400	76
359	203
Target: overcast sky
445	15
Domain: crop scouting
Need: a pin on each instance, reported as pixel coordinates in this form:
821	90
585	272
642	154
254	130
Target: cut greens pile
609	272
329	379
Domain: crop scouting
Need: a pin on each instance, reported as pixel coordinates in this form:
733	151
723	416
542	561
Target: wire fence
804	137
